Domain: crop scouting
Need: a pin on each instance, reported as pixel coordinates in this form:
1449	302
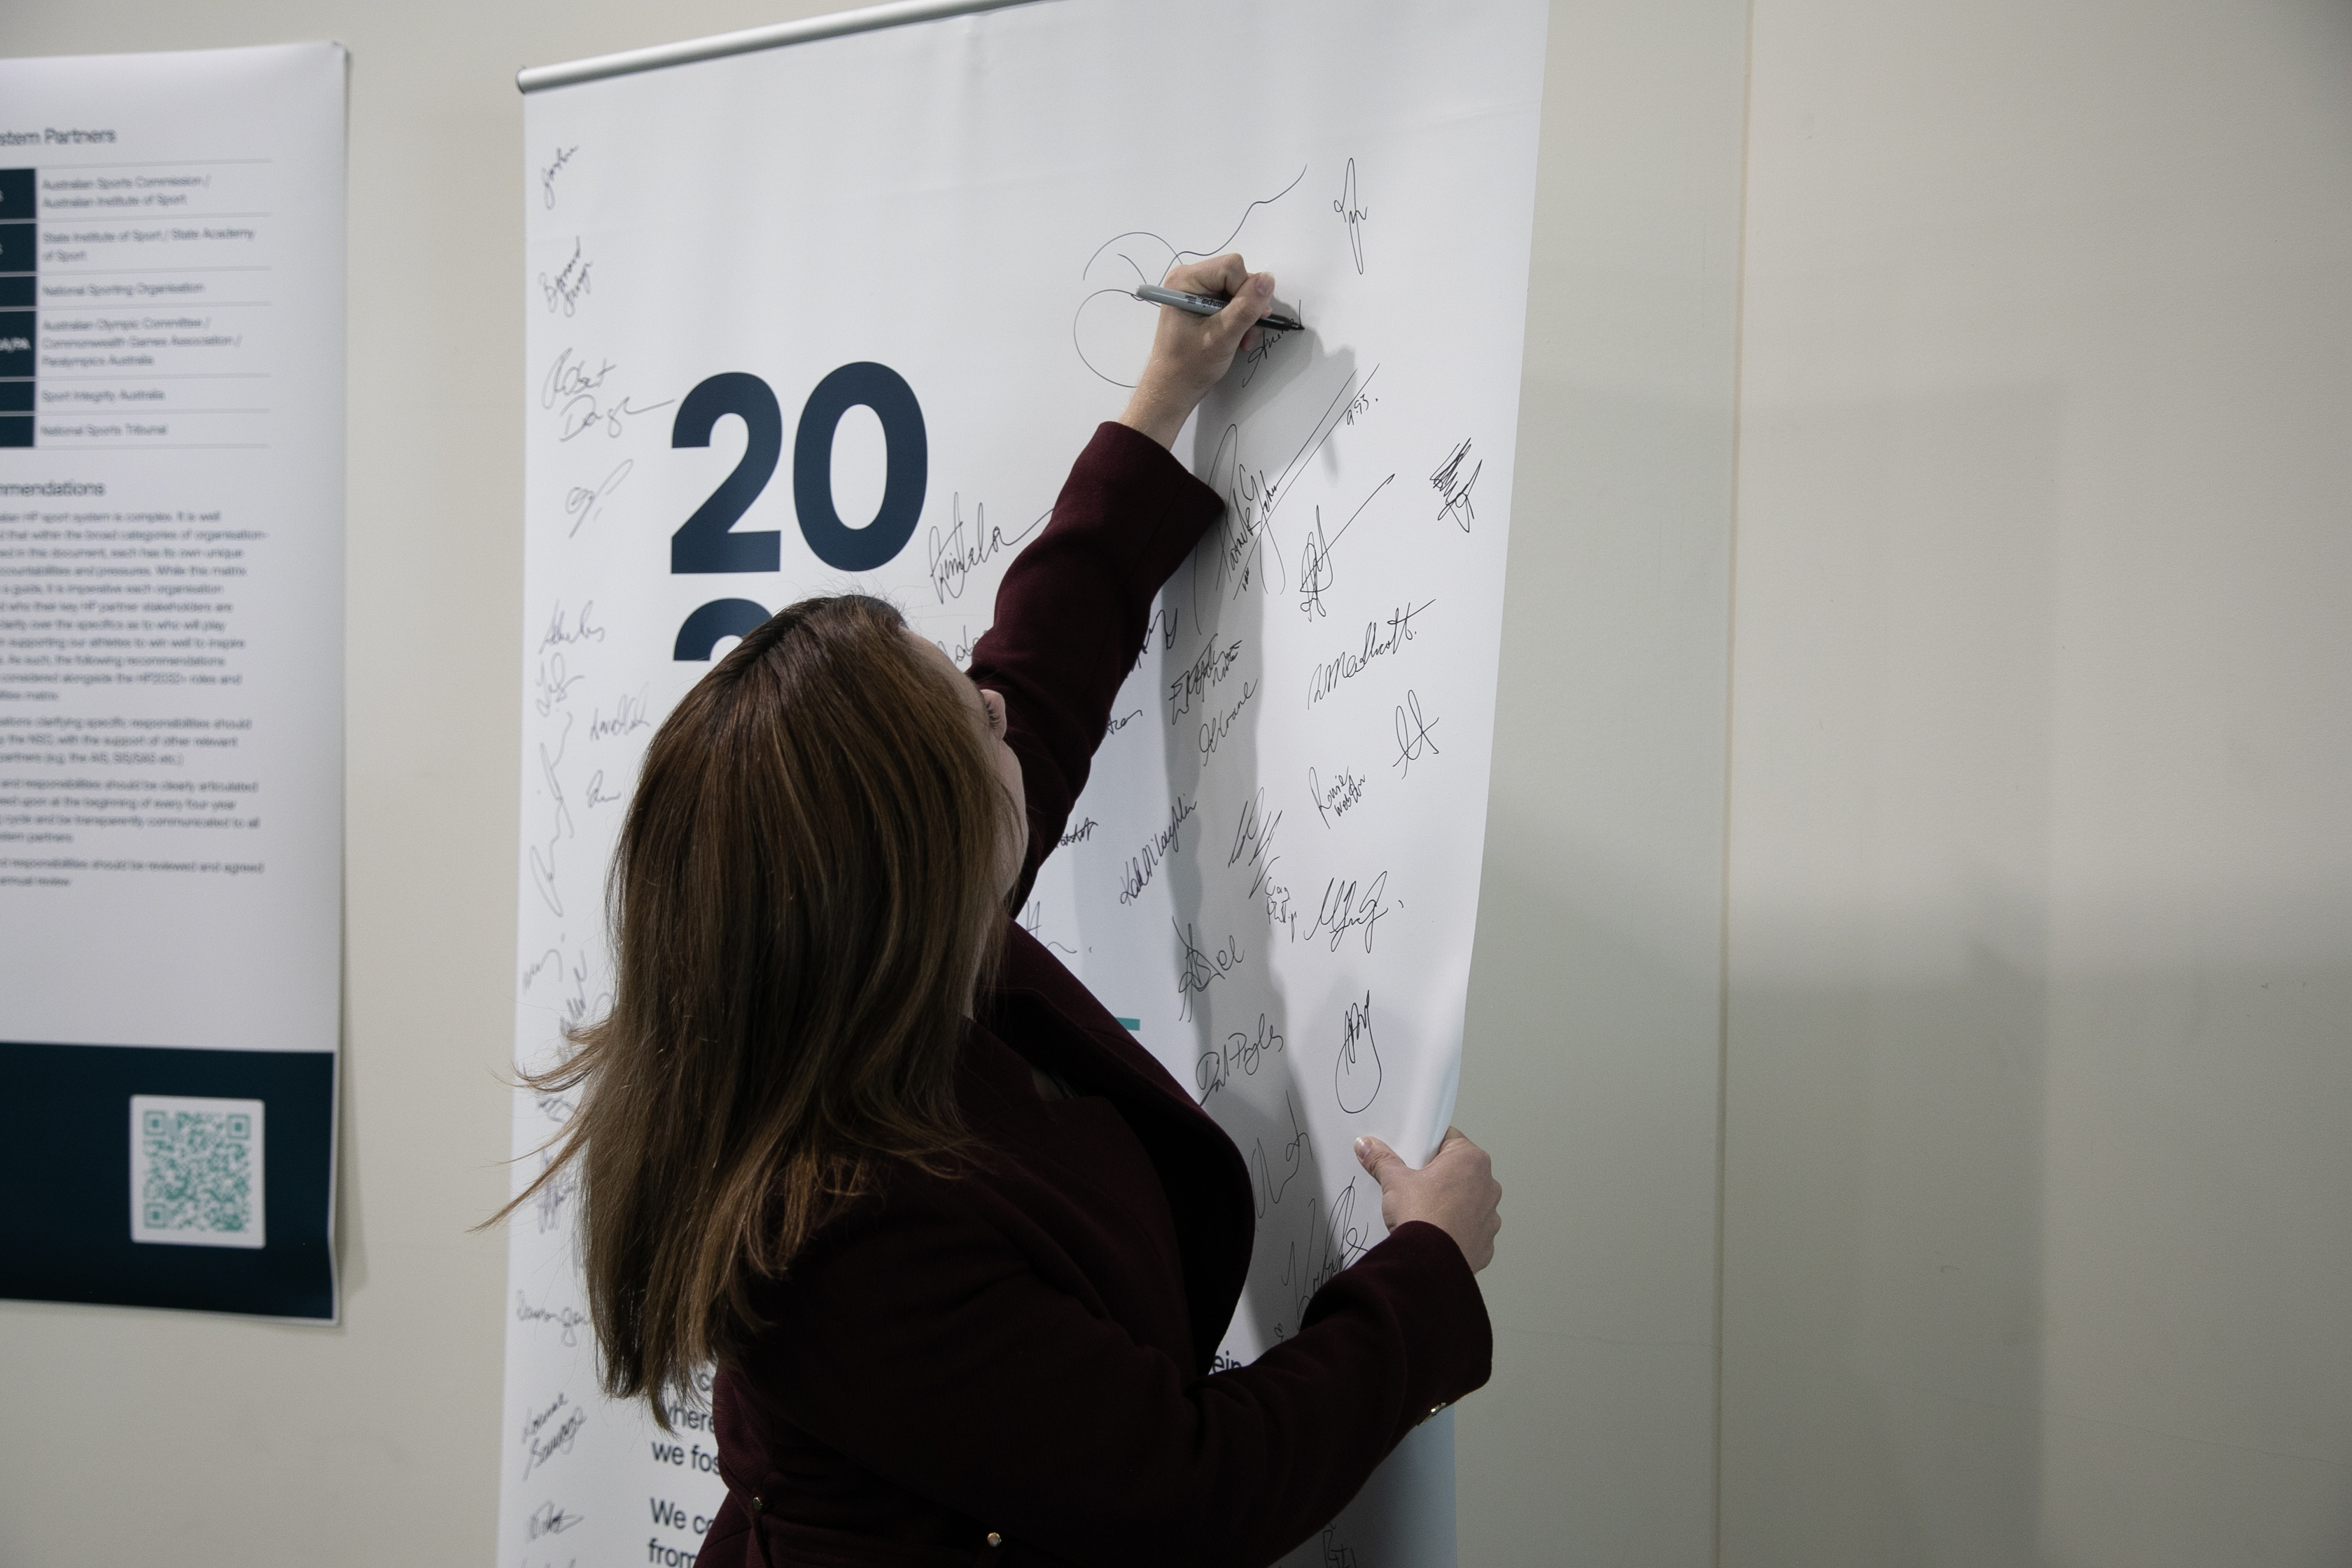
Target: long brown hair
804	904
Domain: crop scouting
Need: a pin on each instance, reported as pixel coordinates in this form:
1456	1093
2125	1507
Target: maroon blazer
1012	1366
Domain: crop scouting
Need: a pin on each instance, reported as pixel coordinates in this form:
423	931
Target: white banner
840	315
170	671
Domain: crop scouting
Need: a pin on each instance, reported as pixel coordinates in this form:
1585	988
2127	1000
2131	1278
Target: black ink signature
1449	482
1412	733
1357	1075
582	626
1033	919
563	290
1244	1053
553	683
1269	1191
547	175
1345	910
1329	1248
569	378
581	503
558	1441
1352	215
561	1189
1327	678
1217	726
1144	864
1083	830
539	966
568	1318
596	795
1202	967
954	557
548	1519
543	861
578	1009
1253	841
1196	680
1315	575
573	391
1121	722
628	715
1343	793
1252	499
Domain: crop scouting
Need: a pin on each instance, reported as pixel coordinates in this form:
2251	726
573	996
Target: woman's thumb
1379	1159
1248	303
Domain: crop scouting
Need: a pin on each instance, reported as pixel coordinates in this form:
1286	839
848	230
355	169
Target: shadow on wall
1884	1272
1888	1020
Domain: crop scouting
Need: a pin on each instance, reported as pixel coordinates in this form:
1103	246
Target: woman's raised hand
1191	354
1456	1192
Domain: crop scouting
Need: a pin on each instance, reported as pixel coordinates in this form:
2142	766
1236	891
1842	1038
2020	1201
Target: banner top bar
534	79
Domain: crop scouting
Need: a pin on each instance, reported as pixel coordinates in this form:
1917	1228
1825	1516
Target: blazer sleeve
924	1346
1072	611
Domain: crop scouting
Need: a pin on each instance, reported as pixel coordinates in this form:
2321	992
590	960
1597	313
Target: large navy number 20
709	540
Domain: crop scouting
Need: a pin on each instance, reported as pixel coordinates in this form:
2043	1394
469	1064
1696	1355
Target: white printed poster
170	674
839	315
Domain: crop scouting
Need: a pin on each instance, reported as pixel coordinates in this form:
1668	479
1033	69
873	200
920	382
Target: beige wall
211	1441
2038	1242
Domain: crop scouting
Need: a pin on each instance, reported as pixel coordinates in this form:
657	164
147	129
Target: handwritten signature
1201	967
582	503
576	395
563	290
1244	1052
1326	678
550	684
1217	726
1254	834
541	1441
581	627
1453	485
628	715
568	1318
1294	1153
1144	864
559	821
547	172
1333	800
1412	733
954	556
1315	574
1345	908
1201	676
1032	921
1352	213
1357	1075
548	1519
1329	1248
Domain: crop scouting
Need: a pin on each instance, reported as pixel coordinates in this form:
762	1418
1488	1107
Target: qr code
195	1171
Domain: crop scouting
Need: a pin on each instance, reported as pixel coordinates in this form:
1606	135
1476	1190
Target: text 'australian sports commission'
136	305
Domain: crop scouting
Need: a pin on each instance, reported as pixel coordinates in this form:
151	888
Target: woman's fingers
1190	353
1218	275
1233	324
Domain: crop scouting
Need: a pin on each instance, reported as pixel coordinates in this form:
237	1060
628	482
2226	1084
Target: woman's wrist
1155	413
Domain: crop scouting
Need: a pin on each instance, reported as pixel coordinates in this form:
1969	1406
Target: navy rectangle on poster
76	1139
